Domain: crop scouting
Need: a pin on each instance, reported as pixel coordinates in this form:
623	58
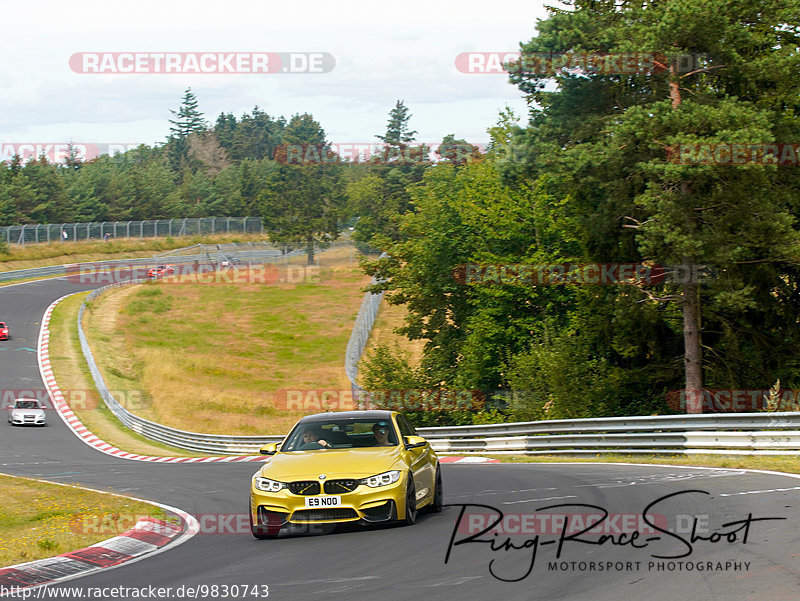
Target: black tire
438	493
411	502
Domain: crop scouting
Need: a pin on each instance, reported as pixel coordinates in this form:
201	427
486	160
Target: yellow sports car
348	466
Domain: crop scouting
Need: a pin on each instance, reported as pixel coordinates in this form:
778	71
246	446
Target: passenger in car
381	432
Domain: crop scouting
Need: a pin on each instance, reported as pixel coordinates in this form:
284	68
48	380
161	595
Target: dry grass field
229	358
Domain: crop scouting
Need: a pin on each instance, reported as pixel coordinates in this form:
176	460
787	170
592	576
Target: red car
5	334
160	271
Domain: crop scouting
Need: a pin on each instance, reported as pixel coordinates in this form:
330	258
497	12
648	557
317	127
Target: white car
26	412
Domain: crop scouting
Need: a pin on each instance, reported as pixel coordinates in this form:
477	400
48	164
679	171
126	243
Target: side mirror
269	449
413	442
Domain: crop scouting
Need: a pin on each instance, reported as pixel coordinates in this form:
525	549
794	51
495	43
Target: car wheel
411	501
438	493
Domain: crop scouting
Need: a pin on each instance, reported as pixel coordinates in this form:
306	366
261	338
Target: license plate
333	501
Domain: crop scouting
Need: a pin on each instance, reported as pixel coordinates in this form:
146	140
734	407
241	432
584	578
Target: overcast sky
382	51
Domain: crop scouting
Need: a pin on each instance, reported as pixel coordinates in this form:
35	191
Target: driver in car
313	435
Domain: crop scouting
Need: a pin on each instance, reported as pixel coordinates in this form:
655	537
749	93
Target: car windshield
341	434
2	325
27	405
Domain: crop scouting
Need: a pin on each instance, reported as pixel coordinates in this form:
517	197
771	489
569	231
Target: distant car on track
351	466
160	271
5	333
26	412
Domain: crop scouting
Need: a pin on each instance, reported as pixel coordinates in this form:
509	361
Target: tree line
233	167
667	169
619	171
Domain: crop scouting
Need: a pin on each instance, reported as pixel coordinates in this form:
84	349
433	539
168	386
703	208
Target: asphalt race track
740	555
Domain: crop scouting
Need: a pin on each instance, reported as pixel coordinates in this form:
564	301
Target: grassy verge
72	375
779	464
39	520
246	359
57	253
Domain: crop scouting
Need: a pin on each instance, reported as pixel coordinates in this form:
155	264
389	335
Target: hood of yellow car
353	463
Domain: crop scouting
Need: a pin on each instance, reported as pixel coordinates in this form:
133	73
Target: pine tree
188	118
397	133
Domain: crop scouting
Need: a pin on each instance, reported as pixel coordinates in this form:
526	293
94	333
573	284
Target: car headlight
383	479
268	485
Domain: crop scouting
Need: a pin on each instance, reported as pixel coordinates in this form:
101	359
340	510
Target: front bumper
23	420
364	504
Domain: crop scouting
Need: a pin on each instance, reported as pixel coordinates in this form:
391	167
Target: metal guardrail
365	319
62	270
648	423
358	339
732	433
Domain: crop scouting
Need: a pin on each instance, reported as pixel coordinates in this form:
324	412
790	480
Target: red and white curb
462	460
82	432
71	420
148	537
